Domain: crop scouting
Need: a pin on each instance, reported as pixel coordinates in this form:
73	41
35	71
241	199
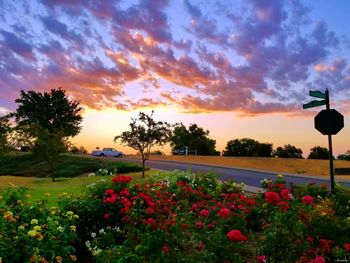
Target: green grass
66	165
40	187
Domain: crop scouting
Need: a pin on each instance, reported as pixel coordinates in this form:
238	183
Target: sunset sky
237	68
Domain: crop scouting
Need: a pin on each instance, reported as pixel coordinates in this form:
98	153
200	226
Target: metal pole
331	169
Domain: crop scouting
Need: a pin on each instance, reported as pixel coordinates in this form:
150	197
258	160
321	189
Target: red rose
236	236
347	247
285	194
106	216
224	212
284	206
199	224
261	259
272	197
307	200
121	179
151	221
204	213
165	249
109	191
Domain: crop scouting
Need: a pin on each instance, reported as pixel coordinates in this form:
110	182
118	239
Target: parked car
108	152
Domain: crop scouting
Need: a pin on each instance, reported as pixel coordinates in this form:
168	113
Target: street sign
329	122
317	94
314	103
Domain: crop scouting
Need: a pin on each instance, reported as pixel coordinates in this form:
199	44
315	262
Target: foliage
144	134
195	138
32	232
5	129
319	152
344	156
77	150
288	151
247	147
52	111
66	166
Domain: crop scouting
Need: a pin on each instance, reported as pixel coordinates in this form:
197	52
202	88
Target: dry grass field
294	166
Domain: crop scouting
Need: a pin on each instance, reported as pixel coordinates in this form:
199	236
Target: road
249	177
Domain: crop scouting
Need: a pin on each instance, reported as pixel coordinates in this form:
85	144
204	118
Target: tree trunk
143	167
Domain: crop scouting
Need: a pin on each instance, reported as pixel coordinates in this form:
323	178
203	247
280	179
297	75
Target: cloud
17	45
253	57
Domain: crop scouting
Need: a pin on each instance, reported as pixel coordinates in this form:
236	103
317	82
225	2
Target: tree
195	138
52	111
145	133
344	156
288	151
48	146
47	119
318	152
5	130
247	147
77	150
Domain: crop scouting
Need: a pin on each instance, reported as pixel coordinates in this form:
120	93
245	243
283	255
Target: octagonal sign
329	122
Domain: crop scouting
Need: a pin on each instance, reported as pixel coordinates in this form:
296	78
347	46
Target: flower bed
186	217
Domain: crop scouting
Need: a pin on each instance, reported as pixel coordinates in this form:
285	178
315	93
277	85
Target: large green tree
51	111
247	147
195	138
288	151
144	134
47	119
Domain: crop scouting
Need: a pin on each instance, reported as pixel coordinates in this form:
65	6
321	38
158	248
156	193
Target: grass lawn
72	186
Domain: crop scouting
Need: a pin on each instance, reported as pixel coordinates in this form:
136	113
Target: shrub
31	232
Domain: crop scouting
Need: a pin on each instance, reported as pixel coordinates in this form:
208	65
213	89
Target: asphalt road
249	177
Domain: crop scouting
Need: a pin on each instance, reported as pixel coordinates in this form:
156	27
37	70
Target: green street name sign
317	94
314	103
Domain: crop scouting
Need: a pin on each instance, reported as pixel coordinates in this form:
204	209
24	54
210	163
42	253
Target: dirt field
295	166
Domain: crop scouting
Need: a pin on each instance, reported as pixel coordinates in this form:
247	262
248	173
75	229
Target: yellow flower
32	233
39	236
60	228
21	227
28	196
73	228
34	221
59	259
73	257
37	228
76	216
8	216
19	202
69	213
47	194
280	176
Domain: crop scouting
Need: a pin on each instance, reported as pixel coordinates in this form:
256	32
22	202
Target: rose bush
188	218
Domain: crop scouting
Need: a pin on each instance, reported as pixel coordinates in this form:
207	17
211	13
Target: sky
236	68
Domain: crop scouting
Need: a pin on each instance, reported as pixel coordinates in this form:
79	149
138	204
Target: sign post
328	122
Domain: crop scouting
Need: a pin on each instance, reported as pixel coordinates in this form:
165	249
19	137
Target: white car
108	152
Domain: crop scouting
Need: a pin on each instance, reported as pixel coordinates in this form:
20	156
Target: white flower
93	234
102	231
